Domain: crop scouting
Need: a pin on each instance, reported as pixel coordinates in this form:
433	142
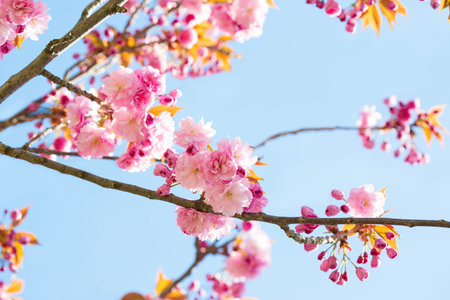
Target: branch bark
58	46
200	205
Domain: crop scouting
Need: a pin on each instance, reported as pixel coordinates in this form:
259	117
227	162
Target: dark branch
200	205
70	86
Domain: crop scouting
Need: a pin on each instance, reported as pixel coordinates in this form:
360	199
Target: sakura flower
18	11
364	202
188	171
119	87
38	22
218	166
191	133
239	150
81	111
203	225
332	8
229	199
198	8
7	31
96	142
188	37
128	123
368	117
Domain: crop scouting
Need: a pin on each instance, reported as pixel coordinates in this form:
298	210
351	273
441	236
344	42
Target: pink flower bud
392	6
188	38
380	244
321	255
374	252
332	210
332	264
16	215
375	262
167	100
324	266
310	247
345	209
163	190
390	235
332	8
385	146
194	286
162	170
246	226
435	4
391	253
334	276
311	1
320	4
337	194
362	273
308	212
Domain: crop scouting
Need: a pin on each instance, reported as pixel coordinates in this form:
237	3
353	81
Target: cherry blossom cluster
20	19
224	177
362	202
11	246
405	117
246	255
126	110
184	38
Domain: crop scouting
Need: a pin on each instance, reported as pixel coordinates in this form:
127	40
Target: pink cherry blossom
368	117
189	172
94	141
191	133
332	8
203	225
81	111
7	31
229	199
18	11
198	8
218	167
188	37
119	87
240	151
38	22
364	202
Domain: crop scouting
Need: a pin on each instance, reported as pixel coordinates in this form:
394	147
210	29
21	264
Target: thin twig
19	119
134	14
312	129
70	86
202	207
62	153
42	134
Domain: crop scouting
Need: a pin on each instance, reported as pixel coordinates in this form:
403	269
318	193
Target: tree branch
200	205
313	129
41	135
70	86
58	46
62	153
87	11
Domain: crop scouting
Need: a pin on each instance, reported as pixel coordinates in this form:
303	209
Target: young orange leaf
253	177
224	60
372	18
157	110
16	286
272	4
18	259
18	40
260	163
348	227
381	231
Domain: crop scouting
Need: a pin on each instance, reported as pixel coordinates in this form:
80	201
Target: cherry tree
118	92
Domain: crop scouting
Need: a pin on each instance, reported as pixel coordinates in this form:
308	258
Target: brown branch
200	205
62	153
19	118
89	9
311	129
200	255
58	46
70	86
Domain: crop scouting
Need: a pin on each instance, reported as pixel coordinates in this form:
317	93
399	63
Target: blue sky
304	71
